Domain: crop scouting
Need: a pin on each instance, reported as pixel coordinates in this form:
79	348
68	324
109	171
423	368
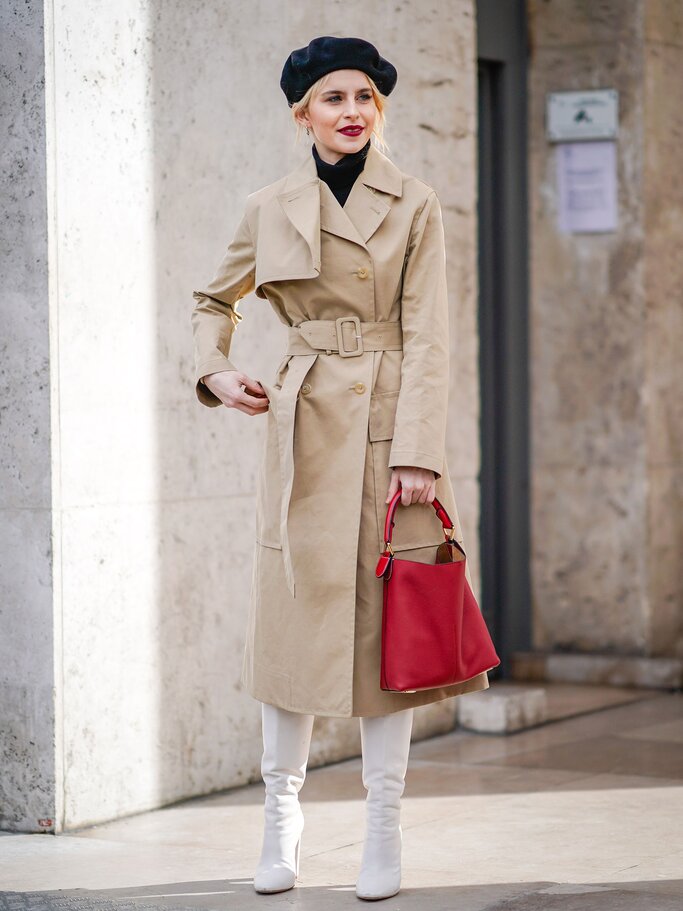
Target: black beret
306	65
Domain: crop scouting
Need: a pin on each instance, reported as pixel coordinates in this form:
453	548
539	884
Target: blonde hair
301	107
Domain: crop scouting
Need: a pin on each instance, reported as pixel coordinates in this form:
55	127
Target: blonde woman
349	252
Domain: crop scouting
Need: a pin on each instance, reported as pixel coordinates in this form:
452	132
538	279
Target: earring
308	132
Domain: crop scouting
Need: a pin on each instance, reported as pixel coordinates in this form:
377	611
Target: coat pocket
382	415
416	525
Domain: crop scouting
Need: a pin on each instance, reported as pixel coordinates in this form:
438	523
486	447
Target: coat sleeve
215	316
420	424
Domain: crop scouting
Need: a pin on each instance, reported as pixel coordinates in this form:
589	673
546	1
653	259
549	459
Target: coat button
362	272
360	388
305	389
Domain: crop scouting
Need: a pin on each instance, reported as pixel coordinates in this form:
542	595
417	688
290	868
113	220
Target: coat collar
379	172
311	206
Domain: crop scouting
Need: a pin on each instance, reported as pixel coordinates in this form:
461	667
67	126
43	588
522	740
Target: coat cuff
417	460
203	393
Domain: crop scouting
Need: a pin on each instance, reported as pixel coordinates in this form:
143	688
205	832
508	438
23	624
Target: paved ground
583	814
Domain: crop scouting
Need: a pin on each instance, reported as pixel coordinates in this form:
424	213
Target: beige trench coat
338	421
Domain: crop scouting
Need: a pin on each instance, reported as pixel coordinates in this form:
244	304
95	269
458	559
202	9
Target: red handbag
433	632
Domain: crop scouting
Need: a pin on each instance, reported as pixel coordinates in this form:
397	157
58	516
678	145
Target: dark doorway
503	325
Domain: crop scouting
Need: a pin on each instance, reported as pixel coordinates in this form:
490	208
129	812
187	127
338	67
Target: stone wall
606	336
157	124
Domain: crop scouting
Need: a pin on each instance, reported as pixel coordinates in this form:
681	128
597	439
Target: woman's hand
418	485
227	386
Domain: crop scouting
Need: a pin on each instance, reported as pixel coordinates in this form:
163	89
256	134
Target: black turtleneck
340	177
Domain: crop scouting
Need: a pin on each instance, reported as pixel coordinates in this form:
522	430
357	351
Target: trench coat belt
346	336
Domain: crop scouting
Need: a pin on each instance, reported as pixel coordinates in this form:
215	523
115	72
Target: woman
349	251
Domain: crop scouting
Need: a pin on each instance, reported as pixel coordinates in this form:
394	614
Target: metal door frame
502	49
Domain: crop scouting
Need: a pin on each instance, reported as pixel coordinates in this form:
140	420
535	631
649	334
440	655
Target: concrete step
508	706
610	670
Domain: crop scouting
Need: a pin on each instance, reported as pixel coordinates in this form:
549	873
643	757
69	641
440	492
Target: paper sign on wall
587	186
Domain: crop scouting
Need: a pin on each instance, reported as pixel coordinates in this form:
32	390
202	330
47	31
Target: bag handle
389	523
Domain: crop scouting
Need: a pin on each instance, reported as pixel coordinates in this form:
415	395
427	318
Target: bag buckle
344	352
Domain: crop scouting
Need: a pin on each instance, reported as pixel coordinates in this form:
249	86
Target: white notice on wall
587	186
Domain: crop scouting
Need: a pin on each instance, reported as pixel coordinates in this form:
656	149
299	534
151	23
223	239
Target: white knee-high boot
286	743
385	742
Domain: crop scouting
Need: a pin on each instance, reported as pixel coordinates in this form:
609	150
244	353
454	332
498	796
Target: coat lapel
301	204
310	205
369	201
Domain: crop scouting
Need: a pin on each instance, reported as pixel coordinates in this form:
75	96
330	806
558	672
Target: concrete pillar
29	625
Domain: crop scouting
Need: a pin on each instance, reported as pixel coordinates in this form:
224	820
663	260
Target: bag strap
389	523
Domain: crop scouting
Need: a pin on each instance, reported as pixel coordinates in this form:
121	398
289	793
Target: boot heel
296	856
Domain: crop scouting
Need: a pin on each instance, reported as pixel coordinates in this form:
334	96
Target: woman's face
345	102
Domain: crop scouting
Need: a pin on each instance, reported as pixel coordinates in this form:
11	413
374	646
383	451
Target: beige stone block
663	22
663	232
577	22
601	670
619	670
503	708
588	558
665	560
663	345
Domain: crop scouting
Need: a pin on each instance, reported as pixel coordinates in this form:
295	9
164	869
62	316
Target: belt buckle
340	338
